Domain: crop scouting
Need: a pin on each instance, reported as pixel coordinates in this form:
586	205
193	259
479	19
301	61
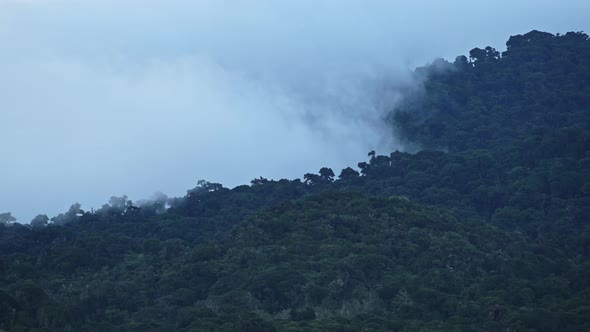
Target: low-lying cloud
109	98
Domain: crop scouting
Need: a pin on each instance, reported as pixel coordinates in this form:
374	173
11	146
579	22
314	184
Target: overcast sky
102	98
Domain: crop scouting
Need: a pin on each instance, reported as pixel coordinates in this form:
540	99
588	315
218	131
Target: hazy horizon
103	98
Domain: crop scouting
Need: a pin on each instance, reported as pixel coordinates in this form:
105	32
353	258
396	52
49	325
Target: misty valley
483	225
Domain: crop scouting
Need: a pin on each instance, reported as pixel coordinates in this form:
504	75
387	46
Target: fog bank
102	98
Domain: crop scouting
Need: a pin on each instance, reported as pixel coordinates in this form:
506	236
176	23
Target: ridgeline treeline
486	228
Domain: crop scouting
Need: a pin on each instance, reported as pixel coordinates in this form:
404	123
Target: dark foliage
541	81
492	235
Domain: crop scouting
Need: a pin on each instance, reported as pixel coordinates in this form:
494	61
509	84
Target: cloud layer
109	98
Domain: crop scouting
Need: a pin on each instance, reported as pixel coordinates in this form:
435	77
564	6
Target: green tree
326	174
348	173
39	221
6	218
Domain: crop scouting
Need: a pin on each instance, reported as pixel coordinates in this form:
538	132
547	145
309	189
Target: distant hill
488	99
486	228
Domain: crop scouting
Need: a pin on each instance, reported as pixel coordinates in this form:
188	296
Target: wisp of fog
102	98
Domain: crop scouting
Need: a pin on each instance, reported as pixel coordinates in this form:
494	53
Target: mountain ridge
490	235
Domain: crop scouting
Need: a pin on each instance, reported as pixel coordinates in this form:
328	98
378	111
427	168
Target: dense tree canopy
486	228
542	81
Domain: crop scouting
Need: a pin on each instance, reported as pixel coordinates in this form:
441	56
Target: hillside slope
491	235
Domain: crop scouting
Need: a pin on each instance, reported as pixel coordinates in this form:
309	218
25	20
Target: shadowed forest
486	227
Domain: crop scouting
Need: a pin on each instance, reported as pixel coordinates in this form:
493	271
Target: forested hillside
485	228
492	99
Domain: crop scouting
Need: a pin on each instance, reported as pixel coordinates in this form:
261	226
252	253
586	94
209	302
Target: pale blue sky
101	98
